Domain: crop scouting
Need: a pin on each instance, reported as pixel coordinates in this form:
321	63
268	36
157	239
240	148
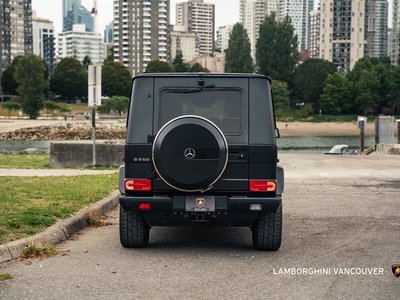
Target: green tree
179	65
367	92
117	104
30	76
86	62
158	66
8	81
369	89
395	99
63	108
115	79
281	94
336	98
238	55
276	49
69	79
308	80
362	64
51	106
387	86
10	106
197	68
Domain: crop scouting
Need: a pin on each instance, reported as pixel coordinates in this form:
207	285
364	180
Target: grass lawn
75	109
79	108
25	161
29	205
36	161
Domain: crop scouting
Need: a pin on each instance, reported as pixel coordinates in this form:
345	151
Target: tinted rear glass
221	106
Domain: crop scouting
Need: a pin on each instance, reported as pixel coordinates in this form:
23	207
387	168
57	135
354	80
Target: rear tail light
263	185
137	185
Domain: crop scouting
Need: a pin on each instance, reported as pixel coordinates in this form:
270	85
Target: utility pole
94	92
361	122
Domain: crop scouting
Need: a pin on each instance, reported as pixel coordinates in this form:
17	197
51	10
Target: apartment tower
395	34
198	17
314	34
252	15
79	43
343	32
223	36
44	40
298	12
377	28
16	30
141	33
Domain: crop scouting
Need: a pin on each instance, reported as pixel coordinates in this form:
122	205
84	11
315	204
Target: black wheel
267	232
133	229
190	153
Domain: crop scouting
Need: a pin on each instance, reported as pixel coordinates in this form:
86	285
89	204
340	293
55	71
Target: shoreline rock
69	131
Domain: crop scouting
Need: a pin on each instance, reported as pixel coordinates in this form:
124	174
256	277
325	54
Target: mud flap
281	179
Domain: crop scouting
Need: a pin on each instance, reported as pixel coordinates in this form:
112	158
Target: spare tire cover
190	153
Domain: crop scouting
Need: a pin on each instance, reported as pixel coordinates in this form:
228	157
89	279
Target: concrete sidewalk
52	172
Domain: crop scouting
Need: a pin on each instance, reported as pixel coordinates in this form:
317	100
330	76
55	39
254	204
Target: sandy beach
286	129
322	129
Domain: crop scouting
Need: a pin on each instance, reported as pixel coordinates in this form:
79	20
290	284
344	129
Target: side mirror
277	133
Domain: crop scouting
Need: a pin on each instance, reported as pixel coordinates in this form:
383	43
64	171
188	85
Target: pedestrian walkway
51	172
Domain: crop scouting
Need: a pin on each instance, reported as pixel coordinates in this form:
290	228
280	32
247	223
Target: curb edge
60	231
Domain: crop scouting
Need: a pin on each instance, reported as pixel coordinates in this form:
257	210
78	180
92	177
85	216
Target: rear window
223	107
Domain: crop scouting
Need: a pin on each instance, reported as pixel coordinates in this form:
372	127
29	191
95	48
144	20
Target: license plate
200	203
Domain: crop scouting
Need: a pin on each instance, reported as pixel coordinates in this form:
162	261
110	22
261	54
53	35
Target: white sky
226	11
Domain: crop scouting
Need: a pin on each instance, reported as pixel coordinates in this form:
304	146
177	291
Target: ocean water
321	144
285	144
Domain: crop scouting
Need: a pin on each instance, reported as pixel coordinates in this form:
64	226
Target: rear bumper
229	211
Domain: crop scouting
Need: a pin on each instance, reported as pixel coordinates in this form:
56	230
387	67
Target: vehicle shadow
200	237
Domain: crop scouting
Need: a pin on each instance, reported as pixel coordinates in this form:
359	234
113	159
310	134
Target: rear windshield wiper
193	90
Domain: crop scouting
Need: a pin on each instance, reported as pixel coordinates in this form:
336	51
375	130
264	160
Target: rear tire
267	232
133	229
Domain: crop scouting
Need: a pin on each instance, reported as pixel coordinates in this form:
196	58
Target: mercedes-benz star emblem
190	153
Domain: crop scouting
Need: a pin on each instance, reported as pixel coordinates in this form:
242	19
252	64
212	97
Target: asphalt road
339	212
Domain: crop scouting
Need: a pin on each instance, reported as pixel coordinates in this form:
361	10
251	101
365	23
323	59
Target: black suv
201	150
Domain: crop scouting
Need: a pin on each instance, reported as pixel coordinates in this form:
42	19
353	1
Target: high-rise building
141	32
198	17
377	28
43	40
298	12
79	43
223	35
183	42
395	34
390	38
109	33
313	34
67	6
75	13
16	30
252	15
343	32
